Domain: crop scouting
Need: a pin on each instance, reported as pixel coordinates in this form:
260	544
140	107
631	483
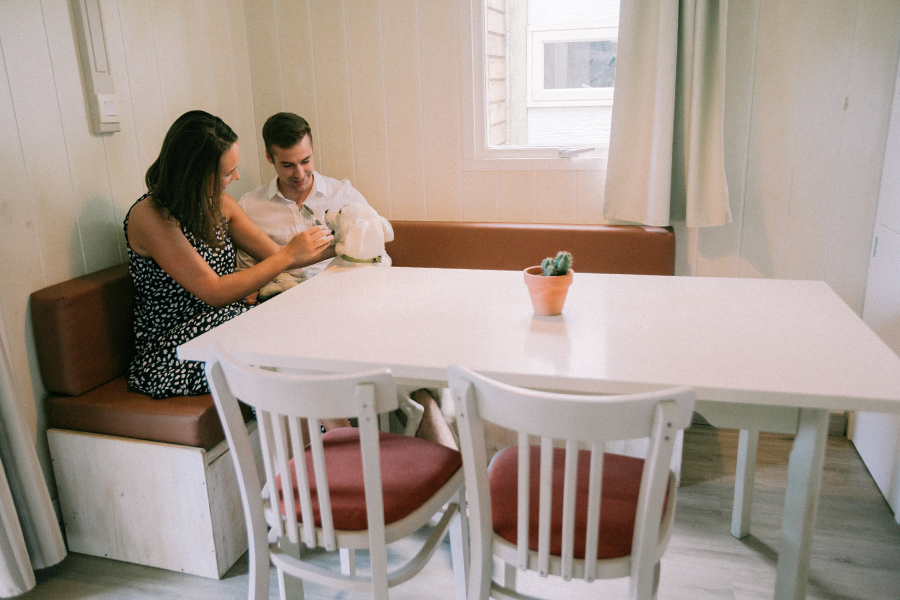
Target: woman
181	237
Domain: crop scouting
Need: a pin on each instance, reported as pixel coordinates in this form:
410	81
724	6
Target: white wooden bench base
161	505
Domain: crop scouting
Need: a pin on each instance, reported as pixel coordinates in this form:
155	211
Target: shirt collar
318	188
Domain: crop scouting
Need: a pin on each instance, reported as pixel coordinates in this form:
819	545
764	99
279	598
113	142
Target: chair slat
371	458
595	492
269	491
524	498
323	494
281	466
306	509
568	522
544	508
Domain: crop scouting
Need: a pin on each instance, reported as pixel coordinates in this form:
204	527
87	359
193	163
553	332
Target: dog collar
377	259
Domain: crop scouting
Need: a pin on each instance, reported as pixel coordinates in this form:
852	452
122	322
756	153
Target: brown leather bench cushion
84	330
112	410
84	336
629	249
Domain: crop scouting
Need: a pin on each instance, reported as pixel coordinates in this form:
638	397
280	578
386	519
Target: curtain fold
30	537
666	150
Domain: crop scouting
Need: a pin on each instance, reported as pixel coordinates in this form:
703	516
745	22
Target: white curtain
30	537
666	151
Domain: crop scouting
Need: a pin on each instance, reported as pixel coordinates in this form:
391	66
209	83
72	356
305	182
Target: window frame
538	96
477	154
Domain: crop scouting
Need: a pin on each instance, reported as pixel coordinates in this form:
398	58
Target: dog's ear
388	230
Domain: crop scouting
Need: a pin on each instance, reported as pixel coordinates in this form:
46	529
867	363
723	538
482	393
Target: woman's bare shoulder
148	222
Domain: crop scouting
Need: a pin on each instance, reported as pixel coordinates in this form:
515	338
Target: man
295	201
297	198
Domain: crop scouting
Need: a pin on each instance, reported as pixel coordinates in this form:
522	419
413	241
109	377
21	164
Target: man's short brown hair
284	130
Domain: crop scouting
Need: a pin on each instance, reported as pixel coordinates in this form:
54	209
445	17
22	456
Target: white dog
359	237
359	234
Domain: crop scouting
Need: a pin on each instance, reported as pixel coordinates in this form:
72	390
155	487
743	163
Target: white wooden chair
354	488
511	513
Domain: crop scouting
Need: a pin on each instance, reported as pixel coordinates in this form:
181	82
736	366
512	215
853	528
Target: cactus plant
557	266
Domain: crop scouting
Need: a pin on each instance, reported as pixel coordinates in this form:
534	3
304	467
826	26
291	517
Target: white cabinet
877	435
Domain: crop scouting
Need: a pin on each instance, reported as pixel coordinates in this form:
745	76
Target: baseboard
837	423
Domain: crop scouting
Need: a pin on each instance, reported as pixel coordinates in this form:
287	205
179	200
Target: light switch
108	107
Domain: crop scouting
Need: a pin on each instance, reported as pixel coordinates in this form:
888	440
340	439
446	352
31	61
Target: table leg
743	482
801	502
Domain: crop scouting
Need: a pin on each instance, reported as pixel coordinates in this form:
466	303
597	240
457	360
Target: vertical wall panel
31	83
481	196
404	108
332	86
90	195
863	136
439	71
366	68
266	68
715	251
20	268
297	68
146	102
518	196
779	63
821	87
555	192
170	31
123	162
589	189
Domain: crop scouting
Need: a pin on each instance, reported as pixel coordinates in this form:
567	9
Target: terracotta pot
548	293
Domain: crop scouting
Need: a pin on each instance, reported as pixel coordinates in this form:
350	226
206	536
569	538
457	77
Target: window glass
577	65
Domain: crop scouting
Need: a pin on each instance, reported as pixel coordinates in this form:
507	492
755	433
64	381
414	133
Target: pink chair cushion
412	470
621	484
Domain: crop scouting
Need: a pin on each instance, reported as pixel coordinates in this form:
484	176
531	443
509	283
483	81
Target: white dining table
761	354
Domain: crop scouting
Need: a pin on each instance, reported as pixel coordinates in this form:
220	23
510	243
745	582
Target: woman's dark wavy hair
179	179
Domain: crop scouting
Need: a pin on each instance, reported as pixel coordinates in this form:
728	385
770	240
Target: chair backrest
580	421
281	401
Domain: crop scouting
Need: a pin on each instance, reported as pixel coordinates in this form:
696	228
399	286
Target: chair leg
656	575
289	588
348	562
509	576
459	546
748	441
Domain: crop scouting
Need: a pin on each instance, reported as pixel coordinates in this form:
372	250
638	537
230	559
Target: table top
756	341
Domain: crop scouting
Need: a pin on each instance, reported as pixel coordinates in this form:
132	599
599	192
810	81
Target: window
542	83
573	67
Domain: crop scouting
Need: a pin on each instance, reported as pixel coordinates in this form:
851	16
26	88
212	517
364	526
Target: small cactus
557	266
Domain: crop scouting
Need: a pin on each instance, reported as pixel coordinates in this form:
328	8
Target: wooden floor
856	551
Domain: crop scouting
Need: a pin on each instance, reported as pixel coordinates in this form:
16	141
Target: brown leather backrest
629	249
83	330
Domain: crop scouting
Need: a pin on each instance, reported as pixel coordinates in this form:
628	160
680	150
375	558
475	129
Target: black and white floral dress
166	315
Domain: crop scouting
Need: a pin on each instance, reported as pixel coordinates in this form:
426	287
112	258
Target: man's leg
434	427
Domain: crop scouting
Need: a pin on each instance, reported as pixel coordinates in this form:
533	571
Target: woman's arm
151	233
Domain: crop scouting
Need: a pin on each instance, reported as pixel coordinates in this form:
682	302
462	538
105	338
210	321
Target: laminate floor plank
855	553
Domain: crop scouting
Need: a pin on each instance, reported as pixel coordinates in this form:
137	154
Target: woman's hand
310	246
